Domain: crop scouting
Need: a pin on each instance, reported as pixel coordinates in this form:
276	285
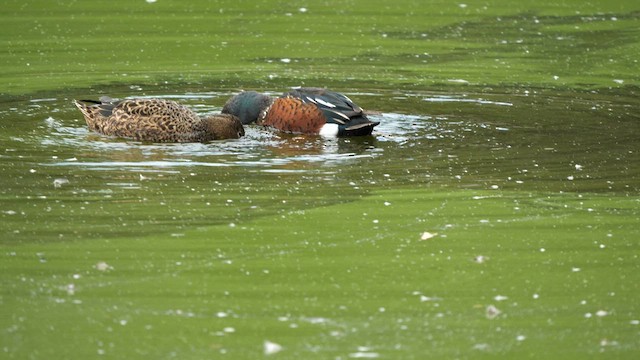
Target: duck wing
337	109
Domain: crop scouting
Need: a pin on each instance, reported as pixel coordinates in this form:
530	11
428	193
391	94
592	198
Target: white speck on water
123	322
575	269
618	81
303	10
480	259
484	221
500	298
520	338
583	302
271	348
375	221
602	313
542	250
634	322
492	312
57	183
462	6
229	330
427	235
601	246
556	77
285	60
570	177
364	355
232	225
458	81
495	187
424	298
536	296
71	289
103	266
588	315
386	203
481	347
222	314
607	342
578	167
32	171
76	276
150	1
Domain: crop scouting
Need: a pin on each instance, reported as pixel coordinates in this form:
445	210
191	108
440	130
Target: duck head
247	106
224	126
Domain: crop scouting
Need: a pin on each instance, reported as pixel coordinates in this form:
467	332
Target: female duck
302	111
156	120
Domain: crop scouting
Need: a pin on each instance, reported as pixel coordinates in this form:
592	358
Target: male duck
302	111
156	120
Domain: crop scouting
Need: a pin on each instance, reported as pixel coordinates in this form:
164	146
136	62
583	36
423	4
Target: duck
156	120
311	111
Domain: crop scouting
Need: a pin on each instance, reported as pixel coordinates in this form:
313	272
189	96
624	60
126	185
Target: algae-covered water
493	213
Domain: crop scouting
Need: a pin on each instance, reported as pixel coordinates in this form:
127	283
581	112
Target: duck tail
82	106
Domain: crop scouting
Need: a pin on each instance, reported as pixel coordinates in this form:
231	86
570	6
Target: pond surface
493	213
470	223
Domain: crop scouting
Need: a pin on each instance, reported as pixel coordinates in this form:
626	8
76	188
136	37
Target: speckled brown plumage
156	120
292	115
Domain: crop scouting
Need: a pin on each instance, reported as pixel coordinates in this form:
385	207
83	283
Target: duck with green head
314	111
156	120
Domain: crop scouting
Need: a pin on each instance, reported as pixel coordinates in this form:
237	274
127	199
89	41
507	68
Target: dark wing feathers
337	108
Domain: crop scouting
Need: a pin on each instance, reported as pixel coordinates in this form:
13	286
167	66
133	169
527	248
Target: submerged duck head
224	126
248	106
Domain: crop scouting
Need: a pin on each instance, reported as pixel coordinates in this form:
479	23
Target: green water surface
493	213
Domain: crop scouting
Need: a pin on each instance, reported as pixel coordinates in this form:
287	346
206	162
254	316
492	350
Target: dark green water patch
63	182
